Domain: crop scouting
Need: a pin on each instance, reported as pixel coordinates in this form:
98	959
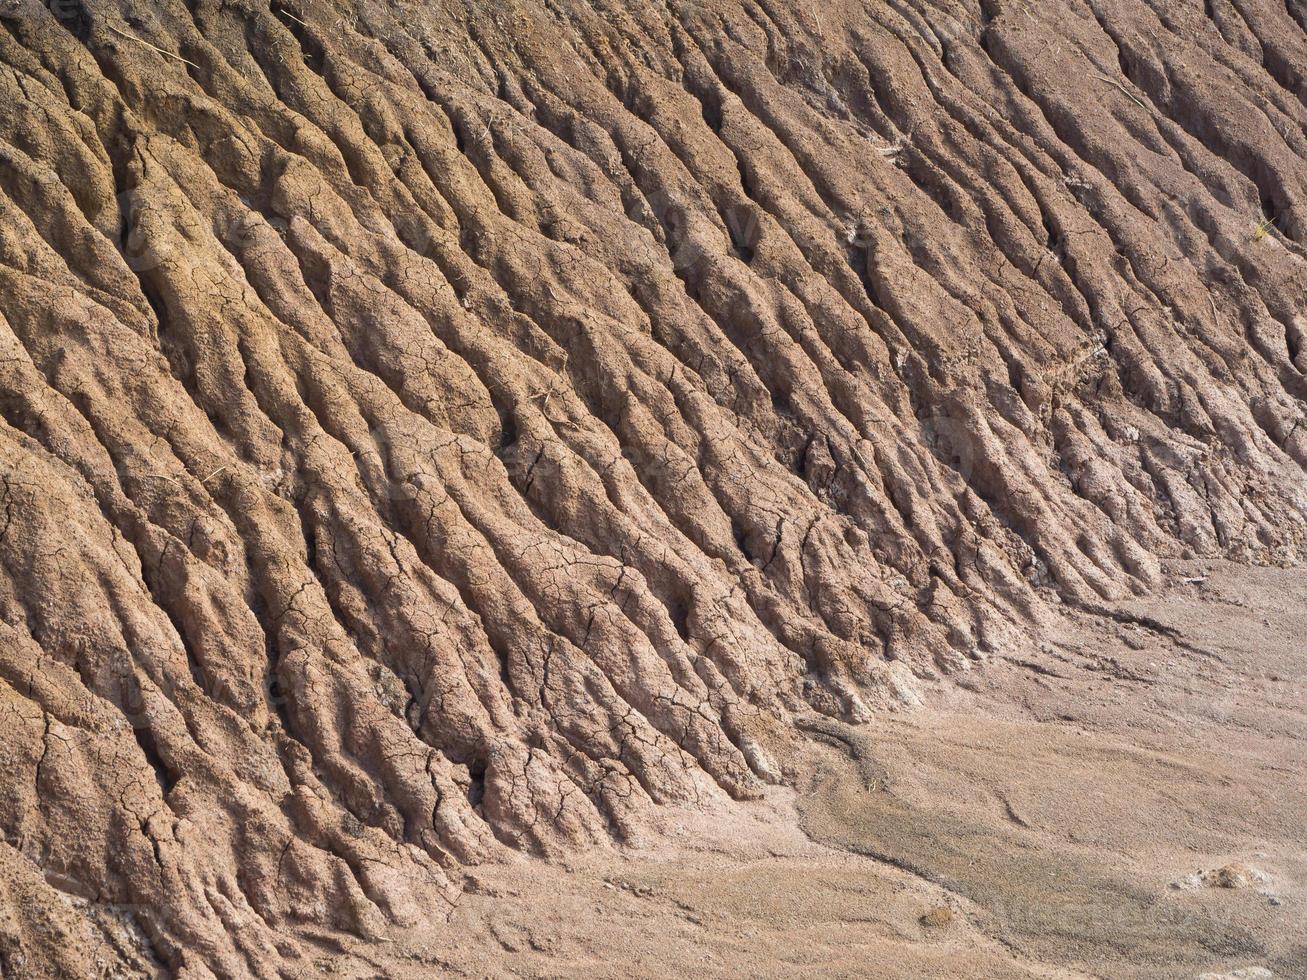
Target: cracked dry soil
735	486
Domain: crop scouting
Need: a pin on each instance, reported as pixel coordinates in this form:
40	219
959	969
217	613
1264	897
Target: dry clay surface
436	432
1116	813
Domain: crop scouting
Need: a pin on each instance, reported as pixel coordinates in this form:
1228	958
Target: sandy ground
1128	803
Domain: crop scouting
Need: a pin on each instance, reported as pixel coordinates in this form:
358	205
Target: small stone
1234	875
937	918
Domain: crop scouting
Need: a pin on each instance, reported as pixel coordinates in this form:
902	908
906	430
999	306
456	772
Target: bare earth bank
1129	803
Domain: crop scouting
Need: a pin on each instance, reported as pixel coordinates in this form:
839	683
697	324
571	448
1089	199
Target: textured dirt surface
1124	803
435	434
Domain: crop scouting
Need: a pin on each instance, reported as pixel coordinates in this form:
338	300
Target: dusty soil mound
431	430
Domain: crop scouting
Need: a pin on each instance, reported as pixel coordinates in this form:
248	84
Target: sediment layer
430	430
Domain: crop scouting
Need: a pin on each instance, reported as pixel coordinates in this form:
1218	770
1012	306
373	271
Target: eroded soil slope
436	430
1124	803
